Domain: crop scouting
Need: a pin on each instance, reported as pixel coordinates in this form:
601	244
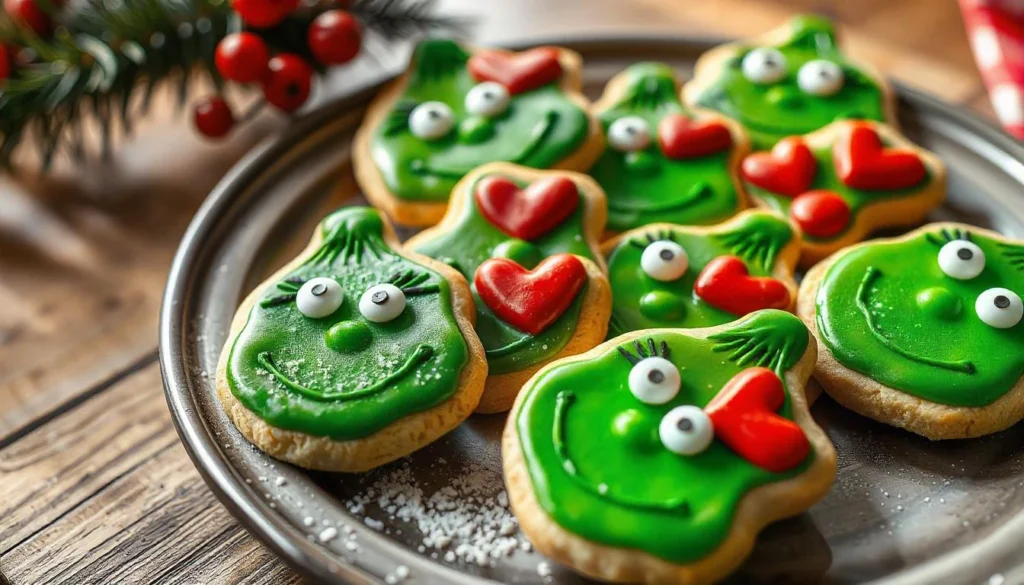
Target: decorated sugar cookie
923	331
663	161
666	275
354	354
843	181
790	81
659	455
459	107
527	241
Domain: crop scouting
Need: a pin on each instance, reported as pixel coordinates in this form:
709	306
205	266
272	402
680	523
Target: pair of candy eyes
819	77
320	297
996	307
684	430
434	120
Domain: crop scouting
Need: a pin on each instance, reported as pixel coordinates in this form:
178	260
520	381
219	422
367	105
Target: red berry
242	57
5	62
213	117
335	37
27	13
264	13
821	213
286	86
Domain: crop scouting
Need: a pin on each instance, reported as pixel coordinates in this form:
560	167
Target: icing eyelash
652	349
651	237
946	235
411	282
653	93
397	119
290	286
1014	254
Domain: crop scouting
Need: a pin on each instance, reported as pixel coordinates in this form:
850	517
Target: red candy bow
744	418
518	72
530	301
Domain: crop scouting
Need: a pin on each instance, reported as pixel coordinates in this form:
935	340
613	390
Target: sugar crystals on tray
468	520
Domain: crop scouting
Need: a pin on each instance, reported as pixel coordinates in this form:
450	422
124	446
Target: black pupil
666	255
380	297
433	114
656	376
488	95
318	289
1002	301
685	425
631	129
964	254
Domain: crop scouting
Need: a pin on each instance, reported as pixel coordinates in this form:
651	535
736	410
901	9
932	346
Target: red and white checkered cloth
996	31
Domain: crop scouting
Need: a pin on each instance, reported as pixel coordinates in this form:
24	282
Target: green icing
770	112
645	186
474	240
598	467
826	177
539	128
343	376
641	302
886	310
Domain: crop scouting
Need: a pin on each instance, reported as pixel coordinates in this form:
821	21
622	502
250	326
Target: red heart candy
820	213
787	170
744	417
529	300
725	283
683	137
526	213
518	72
862	162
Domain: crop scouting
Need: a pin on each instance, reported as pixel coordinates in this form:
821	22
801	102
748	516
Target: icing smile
871	276
419	356
563	402
540	132
696	194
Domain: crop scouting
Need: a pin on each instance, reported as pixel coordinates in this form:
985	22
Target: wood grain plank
106	494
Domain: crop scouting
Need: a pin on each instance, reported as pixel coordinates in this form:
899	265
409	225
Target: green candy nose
785	97
475	129
663	306
633	428
642	163
348	336
940	303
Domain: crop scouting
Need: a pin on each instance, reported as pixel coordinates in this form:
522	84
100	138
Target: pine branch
107	51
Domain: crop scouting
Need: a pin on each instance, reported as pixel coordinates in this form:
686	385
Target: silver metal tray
903	510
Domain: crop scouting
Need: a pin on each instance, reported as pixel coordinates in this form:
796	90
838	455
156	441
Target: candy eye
664	260
999	307
686	430
629	134
382	303
654	380
764	65
961	259
319	297
487	99
820	77
431	120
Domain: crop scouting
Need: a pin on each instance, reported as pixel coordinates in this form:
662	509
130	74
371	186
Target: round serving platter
903	509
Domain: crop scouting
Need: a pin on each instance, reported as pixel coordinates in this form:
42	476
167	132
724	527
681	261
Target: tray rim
306	558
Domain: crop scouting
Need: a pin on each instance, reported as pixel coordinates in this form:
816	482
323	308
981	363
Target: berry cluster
334	37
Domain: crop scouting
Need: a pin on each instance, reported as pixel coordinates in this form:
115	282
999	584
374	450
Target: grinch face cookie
662	161
657	456
665	275
923	331
842	182
793	80
460	107
355	354
527	241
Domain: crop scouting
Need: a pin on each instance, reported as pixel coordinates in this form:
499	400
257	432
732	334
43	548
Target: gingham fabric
996	31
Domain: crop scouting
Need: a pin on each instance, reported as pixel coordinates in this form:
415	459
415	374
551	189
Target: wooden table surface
94	485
